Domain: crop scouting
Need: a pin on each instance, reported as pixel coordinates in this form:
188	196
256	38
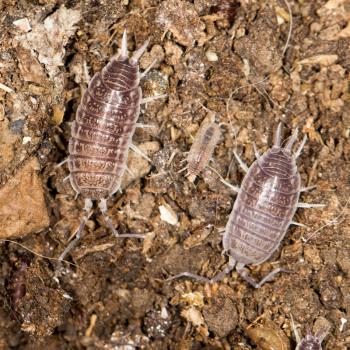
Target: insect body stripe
94	129
257	222
274	189
271	216
280	159
252	233
269	202
274	163
94	172
276	172
239	238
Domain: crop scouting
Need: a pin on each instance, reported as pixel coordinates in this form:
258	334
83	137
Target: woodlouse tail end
300	148
139	52
295	331
293	138
124	48
277	143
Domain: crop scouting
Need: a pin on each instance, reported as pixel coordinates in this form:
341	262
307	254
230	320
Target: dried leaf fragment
323	60
49	38
268	336
22	205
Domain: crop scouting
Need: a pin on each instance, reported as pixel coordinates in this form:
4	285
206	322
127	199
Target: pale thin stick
290	27
38	254
5	88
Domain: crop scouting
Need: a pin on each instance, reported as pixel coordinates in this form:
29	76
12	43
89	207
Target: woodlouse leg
182	170
152	98
309	188
298	224
217	278
190	275
230	266
295	331
139	152
144	73
241	163
87	208
310	205
145	126
245	275
61	163
231	187
103	207
256	152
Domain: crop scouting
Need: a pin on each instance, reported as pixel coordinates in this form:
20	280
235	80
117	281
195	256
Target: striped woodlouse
263	210
202	148
102	132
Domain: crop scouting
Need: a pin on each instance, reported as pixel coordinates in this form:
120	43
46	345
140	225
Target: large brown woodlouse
102	132
263	210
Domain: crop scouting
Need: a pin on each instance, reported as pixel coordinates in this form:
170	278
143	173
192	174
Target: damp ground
230	57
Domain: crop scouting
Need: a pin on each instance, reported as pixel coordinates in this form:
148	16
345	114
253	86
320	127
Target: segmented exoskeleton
263	210
102	132
202	149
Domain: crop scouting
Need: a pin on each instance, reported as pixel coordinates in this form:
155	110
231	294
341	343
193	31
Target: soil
230	57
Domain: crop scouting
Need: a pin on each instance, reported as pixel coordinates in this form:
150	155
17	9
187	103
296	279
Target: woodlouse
202	149
102	132
263	210
310	342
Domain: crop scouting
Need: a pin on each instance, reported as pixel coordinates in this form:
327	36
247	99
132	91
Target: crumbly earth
230	57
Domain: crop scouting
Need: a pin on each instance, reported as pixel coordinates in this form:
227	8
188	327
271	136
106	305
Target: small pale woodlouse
202	148
310	342
102	133
263	210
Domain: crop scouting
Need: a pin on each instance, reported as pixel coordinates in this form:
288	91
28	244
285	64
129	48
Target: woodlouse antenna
293	138
103	207
295	331
300	148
